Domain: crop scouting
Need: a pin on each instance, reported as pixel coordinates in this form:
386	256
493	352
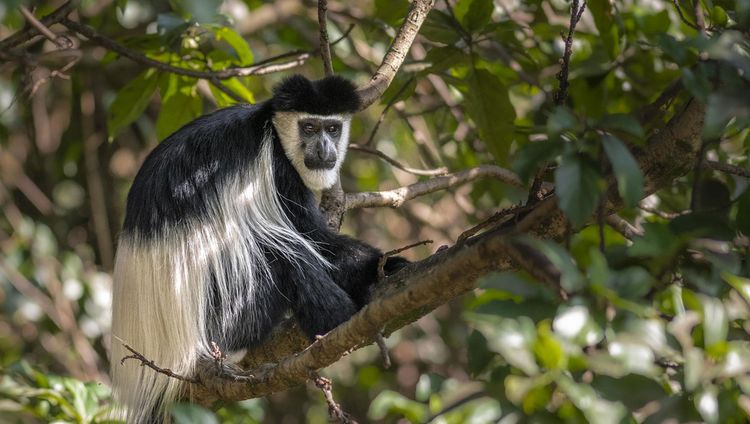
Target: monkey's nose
326	153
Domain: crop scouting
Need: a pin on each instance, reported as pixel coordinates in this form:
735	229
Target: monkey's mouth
319	164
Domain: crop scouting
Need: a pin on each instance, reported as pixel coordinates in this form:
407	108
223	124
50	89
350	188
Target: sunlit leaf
131	101
180	105
238	43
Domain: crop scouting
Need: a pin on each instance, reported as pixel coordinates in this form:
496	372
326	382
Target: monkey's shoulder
189	171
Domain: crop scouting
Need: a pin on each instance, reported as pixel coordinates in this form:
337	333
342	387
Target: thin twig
138	57
57	73
226	90
537	265
60	41
334	409
561	95
149	363
380	342
384	257
30	32
700	20
683	18
726	168
394	162
325	48
385	111
489	222
628	230
575	16
396	197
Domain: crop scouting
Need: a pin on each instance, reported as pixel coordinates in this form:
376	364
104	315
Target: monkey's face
315	145
320	139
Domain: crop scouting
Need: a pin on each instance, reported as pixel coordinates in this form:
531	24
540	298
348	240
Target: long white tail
157	310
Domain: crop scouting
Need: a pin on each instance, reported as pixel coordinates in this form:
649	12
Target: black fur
184	175
327	96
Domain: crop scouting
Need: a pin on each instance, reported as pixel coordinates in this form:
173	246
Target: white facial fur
314	179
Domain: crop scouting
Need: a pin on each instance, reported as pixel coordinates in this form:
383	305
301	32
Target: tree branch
30	32
419	288
726	168
397	164
325	47
110	44
397	197
396	54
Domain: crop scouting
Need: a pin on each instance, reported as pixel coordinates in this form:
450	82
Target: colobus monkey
223	236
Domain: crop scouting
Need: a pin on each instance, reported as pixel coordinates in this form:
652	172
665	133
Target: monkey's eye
333	128
308	128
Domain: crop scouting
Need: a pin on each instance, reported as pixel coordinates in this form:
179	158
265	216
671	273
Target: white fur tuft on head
315	179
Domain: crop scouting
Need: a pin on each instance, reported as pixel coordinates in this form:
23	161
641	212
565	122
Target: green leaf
577	186
697	83
628	174
188	413
548	350
609	33
439	27
571	278
474	14
391	11
393	403
741	284
131	101
234	84
477	355
400	89
238	43
560	120
533	155
624	123
488	105
180	105
722	107
657	241
631	283
442	58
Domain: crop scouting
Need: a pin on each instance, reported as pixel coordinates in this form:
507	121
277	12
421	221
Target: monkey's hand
393	264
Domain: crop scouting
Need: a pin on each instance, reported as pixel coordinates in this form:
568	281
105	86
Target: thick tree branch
396	54
421	287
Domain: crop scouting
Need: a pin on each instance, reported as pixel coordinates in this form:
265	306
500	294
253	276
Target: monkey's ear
328	96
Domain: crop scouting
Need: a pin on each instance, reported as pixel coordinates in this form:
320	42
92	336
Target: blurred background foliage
655	326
